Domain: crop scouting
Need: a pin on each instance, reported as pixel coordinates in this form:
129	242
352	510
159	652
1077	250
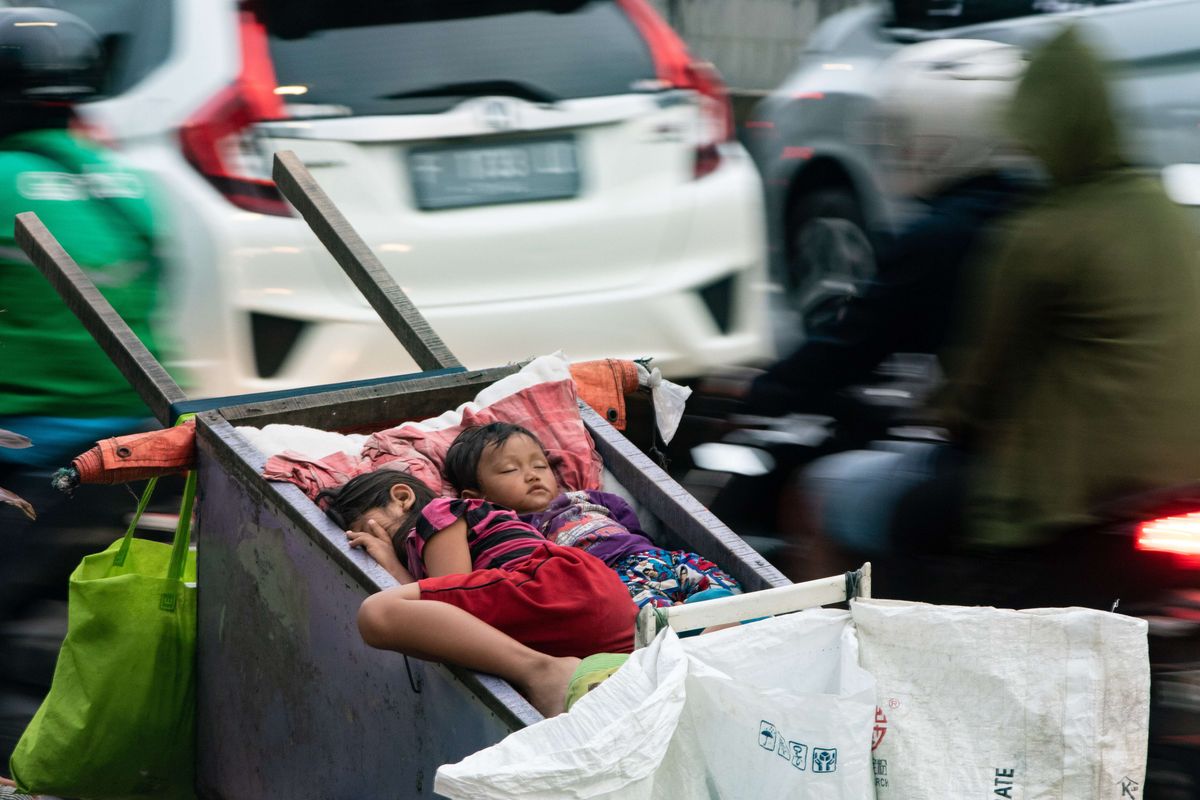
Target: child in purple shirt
507	465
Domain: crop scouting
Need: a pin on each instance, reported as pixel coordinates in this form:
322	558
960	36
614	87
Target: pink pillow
541	397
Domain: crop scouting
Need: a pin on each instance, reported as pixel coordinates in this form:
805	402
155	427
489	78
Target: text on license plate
516	171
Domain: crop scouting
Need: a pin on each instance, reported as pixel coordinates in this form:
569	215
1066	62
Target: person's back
57	387
101	216
906	308
1082	382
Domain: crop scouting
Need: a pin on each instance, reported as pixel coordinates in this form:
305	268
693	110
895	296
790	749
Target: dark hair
462	459
361	493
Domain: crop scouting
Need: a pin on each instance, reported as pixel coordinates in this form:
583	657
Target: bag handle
183	527
123	553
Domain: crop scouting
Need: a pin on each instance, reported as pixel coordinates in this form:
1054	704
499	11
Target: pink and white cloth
541	397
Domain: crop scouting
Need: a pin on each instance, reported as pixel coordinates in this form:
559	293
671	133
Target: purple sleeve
620	510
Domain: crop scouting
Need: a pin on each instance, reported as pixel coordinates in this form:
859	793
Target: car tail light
1178	534
218	140
676	67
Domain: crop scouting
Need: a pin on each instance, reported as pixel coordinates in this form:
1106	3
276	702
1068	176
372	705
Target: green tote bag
119	720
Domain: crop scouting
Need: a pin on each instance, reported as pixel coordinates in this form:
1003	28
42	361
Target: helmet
46	55
941	112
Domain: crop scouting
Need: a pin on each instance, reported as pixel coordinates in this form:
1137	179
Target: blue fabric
665	578
57	440
856	492
712	593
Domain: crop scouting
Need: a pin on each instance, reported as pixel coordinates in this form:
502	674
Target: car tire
829	254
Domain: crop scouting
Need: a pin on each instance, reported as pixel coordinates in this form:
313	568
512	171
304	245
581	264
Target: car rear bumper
673	327
678	328
258	304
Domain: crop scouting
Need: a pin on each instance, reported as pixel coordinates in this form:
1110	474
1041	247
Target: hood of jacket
1062	111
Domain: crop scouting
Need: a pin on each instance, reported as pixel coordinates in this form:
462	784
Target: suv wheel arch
827	249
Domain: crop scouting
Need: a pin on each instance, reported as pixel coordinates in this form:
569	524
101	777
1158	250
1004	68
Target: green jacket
1083	376
49	365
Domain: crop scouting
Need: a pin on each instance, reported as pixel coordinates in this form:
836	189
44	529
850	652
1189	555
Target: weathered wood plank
147	377
343	242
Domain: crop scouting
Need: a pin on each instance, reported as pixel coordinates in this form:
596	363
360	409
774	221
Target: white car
536	175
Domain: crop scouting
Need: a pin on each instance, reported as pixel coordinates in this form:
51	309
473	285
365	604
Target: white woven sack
777	708
1044	704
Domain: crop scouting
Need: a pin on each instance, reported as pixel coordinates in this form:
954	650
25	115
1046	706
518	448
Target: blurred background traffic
708	184
574	166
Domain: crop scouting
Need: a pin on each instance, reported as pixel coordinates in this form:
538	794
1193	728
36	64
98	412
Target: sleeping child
505	464
481	588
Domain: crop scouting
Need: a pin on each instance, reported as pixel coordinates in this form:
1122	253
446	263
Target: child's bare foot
545	687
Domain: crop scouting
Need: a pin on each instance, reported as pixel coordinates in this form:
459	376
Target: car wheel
829	255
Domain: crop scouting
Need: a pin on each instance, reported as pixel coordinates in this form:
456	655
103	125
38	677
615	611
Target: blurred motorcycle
1142	556
745	467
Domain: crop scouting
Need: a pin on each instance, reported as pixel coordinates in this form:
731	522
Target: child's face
516	475
389	517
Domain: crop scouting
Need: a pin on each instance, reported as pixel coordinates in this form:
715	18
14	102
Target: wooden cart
291	703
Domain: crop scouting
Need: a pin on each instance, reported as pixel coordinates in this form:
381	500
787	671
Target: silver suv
808	137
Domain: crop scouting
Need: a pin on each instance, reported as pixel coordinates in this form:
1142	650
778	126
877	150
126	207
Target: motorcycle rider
57	387
1073	378
1077	380
938	141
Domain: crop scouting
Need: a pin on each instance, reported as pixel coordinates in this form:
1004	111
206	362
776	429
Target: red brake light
1178	534
215	141
676	67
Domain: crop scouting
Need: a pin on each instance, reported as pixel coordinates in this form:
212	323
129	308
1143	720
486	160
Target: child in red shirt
481	589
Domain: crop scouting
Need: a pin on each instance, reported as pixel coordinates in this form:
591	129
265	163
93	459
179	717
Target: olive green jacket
1082	375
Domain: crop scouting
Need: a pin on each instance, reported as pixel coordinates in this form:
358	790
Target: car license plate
514	171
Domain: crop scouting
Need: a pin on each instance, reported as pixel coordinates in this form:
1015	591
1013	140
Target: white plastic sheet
987	703
775	709
668	399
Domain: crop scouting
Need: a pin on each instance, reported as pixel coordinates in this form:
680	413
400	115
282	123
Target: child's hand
379	547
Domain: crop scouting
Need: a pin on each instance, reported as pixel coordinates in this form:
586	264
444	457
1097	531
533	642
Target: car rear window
135	35
423	57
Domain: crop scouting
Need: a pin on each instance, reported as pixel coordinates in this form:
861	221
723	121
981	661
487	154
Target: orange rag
139	455
603	384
